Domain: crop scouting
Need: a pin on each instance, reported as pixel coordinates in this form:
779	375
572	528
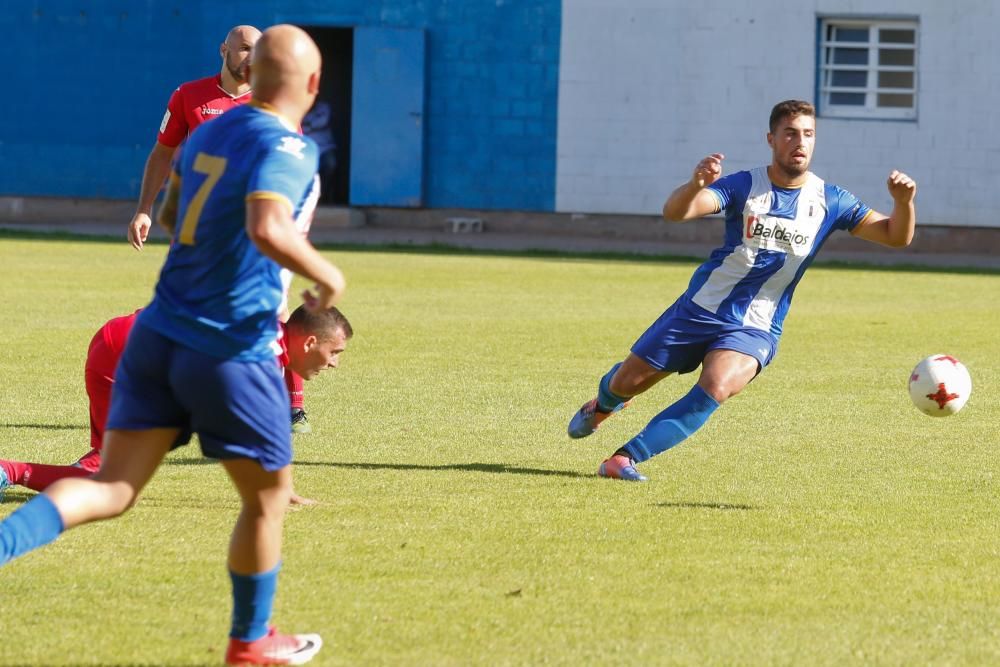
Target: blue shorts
678	341
238	409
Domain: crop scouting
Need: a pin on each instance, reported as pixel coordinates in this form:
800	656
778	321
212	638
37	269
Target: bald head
285	68
235	52
243	33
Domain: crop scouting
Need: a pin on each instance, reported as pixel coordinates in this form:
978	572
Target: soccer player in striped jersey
729	320
200	356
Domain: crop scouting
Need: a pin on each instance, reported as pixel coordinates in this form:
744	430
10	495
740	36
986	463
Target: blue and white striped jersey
772	235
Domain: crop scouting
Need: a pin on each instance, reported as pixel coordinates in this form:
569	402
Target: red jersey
192	104
283	344
108	345
106	348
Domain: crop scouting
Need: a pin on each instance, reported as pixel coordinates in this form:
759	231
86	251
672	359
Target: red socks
37	476
295	385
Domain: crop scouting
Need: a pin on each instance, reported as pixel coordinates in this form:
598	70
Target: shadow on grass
707	506
494	468
54	427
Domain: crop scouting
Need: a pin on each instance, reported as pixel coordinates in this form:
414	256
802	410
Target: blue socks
33	525
608	401
253	595
673	425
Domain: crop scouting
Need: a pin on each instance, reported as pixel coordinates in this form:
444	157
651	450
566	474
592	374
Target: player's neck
288	114
231	86
785	180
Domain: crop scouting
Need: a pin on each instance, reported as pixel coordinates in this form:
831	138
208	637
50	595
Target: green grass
818	518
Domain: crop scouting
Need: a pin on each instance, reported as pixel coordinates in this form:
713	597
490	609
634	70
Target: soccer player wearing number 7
729	320
200	357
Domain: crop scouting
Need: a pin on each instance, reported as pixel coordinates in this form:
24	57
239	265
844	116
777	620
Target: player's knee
720	390
270	506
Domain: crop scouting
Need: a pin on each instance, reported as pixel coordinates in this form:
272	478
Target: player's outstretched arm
690	200
271	228
153	175
895	230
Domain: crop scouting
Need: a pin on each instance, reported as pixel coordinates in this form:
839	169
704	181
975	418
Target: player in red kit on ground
99	373
310	344
192	104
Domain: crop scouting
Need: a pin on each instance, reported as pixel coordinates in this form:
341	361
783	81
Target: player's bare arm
167	216
895	230
155	173
271	228
691	200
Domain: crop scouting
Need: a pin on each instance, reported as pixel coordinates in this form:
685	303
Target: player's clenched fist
901	187
708	171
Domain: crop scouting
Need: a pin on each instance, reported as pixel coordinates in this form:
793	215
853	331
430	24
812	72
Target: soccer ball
940	385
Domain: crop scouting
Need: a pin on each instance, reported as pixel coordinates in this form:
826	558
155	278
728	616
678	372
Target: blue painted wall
88	80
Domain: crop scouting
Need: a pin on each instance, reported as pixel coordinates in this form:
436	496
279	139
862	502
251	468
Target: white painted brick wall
648	87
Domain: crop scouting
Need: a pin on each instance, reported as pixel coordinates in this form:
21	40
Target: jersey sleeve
285	170
731	189
174	126
849	211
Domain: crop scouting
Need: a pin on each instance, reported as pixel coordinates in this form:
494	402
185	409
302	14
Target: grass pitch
818	518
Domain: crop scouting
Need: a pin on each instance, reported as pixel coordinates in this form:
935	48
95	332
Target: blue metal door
387	117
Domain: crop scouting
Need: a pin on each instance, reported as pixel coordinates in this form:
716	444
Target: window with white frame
868	68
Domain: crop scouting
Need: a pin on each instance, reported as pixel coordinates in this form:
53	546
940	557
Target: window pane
868	67
850	56
848	99
895	79
901	57
849	79
840	34
895	100
897	36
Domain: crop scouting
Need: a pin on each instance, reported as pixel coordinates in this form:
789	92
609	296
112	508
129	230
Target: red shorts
99	375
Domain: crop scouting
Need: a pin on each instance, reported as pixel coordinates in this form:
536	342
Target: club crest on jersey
292	146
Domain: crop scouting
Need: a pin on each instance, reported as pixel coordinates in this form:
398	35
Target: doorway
337	47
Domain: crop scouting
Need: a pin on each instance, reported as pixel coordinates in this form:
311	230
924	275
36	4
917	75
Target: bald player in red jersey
192	104
310	343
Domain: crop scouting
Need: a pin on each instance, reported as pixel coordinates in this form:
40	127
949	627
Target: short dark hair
790	109
323	324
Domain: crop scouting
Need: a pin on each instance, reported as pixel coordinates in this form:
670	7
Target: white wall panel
647	88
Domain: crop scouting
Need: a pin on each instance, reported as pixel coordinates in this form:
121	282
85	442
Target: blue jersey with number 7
217	293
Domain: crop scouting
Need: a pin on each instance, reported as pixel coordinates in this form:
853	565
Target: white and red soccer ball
940	385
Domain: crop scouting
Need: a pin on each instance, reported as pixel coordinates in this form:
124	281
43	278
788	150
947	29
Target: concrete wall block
481	58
